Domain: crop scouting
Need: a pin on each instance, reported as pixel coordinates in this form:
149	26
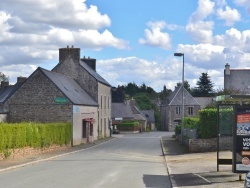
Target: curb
171	177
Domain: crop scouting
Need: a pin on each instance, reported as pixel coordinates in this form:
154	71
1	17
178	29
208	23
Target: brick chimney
21	79
90	62
4	84
227	69
72	52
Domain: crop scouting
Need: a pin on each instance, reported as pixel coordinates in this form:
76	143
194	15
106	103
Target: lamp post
182	101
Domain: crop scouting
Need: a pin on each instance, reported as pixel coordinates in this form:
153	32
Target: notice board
241	135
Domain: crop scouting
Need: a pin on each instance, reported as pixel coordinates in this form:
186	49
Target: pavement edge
171	177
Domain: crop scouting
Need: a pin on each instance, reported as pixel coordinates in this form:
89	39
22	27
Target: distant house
5	92
171	109
127	110
138	114
150	116
72	92
237	79
121	111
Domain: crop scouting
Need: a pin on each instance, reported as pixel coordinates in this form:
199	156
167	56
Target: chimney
4	84
21	79
227	69
132	102
72	52
90	62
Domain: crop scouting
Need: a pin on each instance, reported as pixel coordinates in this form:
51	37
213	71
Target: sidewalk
196	170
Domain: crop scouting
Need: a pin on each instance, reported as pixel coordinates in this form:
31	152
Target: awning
92	120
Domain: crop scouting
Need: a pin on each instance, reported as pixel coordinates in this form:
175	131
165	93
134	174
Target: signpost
241	154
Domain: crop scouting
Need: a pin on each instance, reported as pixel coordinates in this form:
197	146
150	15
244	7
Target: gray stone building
237	79
72	92
127	110
171	109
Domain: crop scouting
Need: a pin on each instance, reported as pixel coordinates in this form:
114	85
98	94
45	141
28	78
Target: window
101	101
108	102
190	110
105	102
178	110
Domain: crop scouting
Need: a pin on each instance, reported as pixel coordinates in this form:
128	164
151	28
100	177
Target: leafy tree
143	101
3	77
186	85
205	85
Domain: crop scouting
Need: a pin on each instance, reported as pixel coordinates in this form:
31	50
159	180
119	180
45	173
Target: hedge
128	126
208	123
36	135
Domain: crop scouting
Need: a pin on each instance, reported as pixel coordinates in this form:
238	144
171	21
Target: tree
3	77
186	85
205	85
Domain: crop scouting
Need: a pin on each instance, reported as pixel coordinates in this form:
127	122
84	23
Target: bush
178	129
191	122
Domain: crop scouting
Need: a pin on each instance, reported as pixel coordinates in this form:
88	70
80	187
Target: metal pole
183	109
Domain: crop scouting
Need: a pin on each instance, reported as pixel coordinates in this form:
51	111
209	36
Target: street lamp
182	101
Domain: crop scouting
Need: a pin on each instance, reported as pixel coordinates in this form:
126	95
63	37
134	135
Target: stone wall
35	101
208	145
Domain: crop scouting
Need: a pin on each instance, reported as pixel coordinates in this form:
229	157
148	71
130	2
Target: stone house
171	109
72	92
237	79
127	110
5	92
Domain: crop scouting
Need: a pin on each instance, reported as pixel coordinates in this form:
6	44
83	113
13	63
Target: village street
129	160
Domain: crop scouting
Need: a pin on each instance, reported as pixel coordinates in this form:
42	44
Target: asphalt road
130	160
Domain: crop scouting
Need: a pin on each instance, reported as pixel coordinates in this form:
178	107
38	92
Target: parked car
247	181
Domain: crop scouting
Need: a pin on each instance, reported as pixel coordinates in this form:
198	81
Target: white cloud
14	71
40	28
154	73
243	3
155	36
229	15
205	8
202	32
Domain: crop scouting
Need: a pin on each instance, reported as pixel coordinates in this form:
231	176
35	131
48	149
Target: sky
132	40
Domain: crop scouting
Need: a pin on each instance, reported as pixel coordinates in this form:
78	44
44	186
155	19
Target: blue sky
132	40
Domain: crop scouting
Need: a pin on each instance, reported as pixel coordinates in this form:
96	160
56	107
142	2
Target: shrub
191	122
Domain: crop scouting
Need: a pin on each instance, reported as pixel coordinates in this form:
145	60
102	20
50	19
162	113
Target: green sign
61	100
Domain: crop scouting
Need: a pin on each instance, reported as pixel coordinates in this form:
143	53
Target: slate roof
204	101
94	73
176	98
8	91
69	88
121	110
149	114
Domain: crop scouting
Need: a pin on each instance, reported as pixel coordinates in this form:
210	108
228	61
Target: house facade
237	79
84	71
171	109
72	92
